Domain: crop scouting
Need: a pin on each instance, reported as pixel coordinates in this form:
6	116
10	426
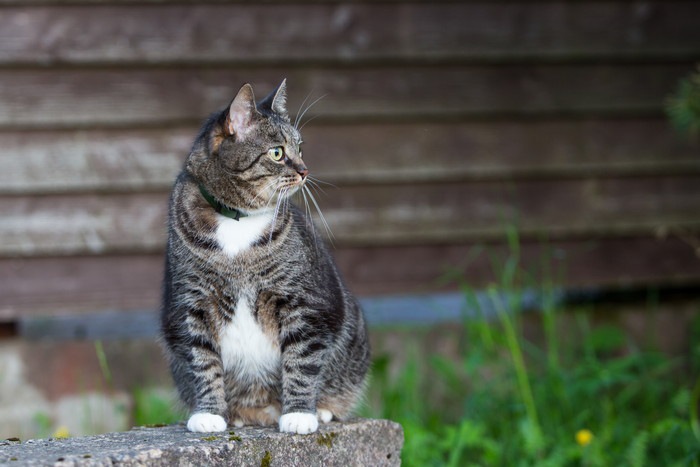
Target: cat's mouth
286	187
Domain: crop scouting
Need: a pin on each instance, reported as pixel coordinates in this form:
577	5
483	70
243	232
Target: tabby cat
256	322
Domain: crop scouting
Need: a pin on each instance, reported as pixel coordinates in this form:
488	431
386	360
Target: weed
586	396
266	460
683	108
326	439
154	408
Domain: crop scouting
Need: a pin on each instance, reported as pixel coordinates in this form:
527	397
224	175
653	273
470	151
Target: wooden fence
443	122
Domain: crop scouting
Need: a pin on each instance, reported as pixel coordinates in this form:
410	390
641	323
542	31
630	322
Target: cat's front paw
324	415
298	422
204	422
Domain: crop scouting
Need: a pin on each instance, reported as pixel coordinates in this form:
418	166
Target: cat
257	325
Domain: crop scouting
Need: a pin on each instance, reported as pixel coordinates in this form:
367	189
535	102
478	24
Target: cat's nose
303	171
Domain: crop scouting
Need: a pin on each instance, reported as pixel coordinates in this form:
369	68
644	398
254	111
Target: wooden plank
497	150
54	98
126	160
53	285
83	224
583	262
375	215
225	34
299	33
96	161
371	215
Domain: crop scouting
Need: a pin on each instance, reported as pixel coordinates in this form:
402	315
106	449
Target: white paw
238	423
298	422
324	415
204	422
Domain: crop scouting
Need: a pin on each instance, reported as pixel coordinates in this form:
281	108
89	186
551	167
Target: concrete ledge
358	442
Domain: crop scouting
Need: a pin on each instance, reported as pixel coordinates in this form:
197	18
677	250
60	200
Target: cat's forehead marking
290	135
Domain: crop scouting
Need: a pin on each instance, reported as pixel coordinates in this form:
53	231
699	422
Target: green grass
480	410
508	399
153	407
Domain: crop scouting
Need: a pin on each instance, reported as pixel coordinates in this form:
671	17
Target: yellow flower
584	437
61	432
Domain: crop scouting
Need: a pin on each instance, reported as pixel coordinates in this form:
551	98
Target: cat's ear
279	101
240	120
276	101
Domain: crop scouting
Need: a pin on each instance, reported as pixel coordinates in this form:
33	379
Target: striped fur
256	322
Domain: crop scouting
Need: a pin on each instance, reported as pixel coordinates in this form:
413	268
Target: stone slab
358	442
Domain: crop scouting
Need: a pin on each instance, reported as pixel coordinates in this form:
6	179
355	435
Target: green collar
220	208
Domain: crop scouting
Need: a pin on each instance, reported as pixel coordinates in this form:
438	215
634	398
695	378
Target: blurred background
486	158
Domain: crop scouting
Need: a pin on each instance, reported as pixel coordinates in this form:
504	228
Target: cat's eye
276	153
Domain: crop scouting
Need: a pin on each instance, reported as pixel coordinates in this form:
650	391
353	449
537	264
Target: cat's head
249	155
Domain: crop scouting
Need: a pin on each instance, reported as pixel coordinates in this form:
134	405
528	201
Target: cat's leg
348	374
205	370
303	348
338	405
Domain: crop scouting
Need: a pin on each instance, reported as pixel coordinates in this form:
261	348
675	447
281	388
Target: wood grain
36	162
132	282
340	33
55	285
443	122
435	212
162	97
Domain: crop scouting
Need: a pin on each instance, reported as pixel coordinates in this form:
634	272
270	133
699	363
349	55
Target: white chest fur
235	236
245	349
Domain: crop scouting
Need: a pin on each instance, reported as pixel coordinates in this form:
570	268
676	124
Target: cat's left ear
277	100
240	119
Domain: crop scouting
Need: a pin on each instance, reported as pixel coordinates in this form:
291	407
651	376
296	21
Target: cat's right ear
240	121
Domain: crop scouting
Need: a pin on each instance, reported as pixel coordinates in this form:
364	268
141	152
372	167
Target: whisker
264	189
315	185
280	199
318	180
309	219
285	205
301	117
279	188
309	121
317	188
321	216
296	119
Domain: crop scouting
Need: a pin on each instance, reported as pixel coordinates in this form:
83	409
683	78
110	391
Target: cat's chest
235	236
246	349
